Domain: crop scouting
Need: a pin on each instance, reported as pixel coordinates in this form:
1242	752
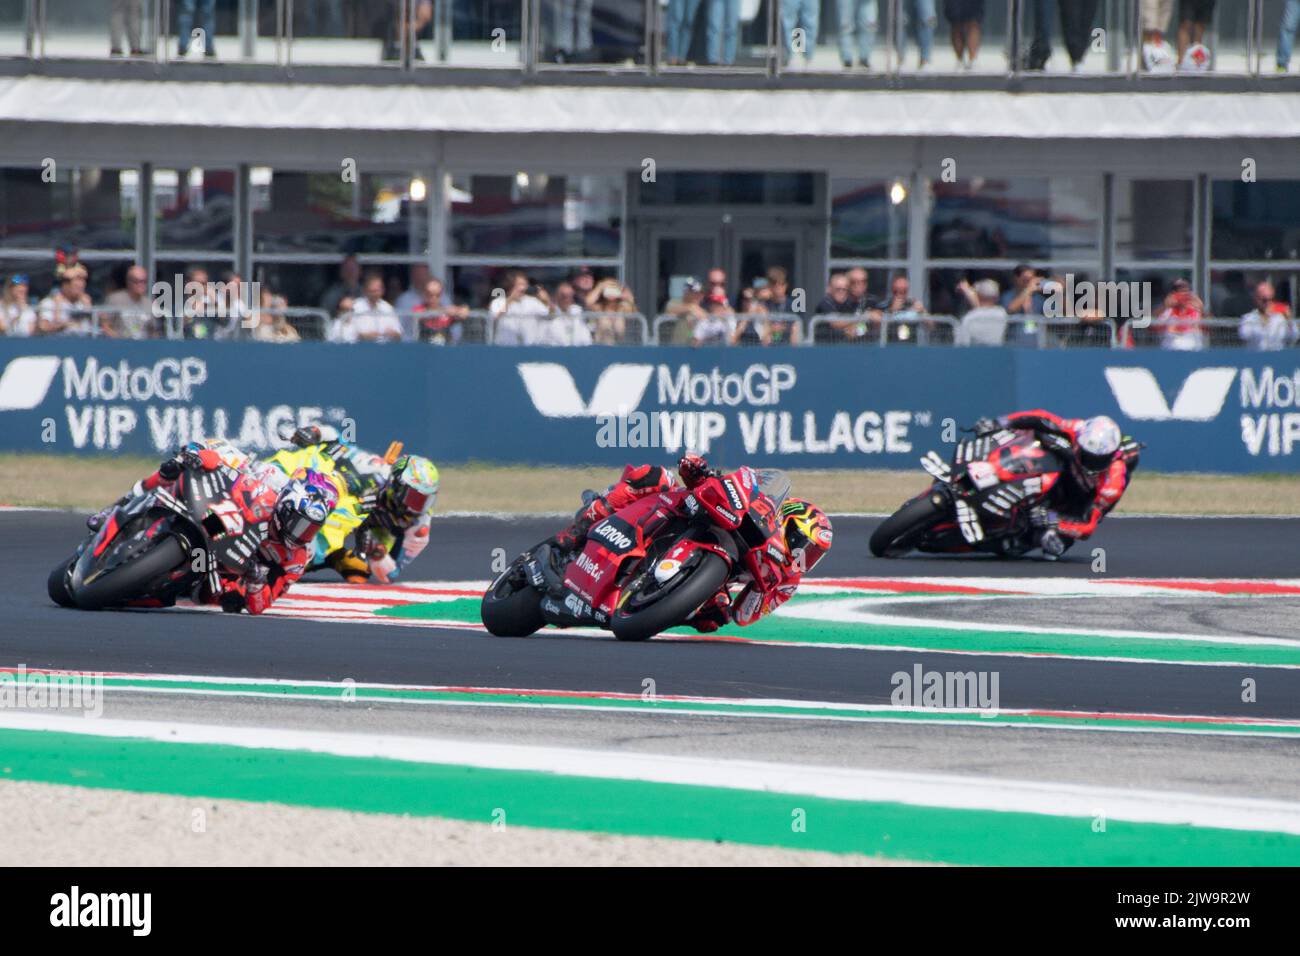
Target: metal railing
408	35
1212	333
458	326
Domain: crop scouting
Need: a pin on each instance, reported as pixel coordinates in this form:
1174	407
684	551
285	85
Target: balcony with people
948	43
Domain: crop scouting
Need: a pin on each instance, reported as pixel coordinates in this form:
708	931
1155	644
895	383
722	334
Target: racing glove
257	593
1052	543
194	458
986	426
306	436
714	613
309	435
693	469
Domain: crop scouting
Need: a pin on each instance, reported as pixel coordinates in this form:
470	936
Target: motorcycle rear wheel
898	534
131	580
677	604
57	586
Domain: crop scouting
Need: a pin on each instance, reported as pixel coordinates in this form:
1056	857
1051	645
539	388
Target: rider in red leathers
1103	461
807	533
294	509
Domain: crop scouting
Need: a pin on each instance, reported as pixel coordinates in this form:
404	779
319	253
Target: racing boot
635	482
96	521
594	508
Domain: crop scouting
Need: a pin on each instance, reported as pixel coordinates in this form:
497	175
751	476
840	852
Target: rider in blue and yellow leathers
387	504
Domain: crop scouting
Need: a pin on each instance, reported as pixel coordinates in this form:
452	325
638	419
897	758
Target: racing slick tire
130	580
642	615
57	586
509	610
898	534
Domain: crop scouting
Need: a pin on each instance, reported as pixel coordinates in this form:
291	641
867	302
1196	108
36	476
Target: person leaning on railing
1269	326
718	323
67	310
687	311
17	317
855	317
612	302
1179	323
906	315
436	321
567	323
132	309
272	324
986	321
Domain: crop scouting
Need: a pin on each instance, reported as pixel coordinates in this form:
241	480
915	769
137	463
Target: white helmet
1099	439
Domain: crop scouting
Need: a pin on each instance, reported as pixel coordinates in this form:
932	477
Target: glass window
1259	220
92	28
741	38
90	207
1041	219
728	189
471	33
1276	40
354	32
317	285
195	208
580	32
320	213
1082	40
869	219
1232	291
233	30
13	28
536	214
1154	219
1225	36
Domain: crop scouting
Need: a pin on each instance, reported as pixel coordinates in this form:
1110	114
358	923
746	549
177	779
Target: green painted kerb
532	799
992	641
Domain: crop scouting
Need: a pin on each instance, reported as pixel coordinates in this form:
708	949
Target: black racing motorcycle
160	546
994	496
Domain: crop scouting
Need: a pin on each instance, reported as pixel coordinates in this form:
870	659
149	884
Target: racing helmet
807	531
303	506
411	491
1099	439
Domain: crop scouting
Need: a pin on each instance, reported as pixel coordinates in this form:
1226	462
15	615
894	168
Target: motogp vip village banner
842	407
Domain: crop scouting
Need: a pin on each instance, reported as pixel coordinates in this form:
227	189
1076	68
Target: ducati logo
1200	399
553	392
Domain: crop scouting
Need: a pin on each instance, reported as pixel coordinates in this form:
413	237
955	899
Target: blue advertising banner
792	407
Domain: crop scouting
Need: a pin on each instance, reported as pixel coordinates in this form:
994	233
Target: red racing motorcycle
163	545
992	497
651	565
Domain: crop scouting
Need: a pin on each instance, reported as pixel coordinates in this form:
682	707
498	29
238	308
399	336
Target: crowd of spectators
762	313
583	309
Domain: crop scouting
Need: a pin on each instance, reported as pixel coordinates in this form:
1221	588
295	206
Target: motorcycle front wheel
131	579
649	607
900	532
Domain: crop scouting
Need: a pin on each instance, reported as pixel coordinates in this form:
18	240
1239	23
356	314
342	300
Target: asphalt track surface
35	633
